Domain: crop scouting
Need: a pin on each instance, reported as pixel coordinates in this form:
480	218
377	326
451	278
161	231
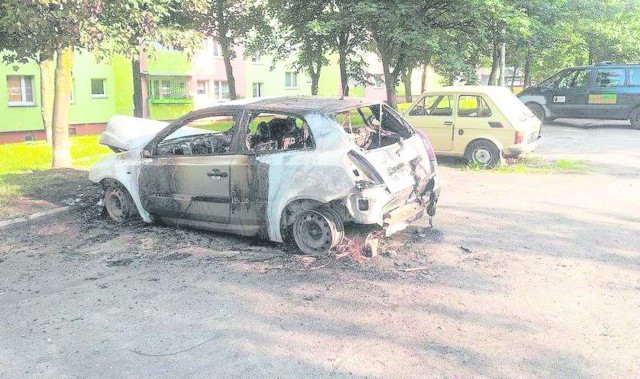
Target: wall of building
87	113
20	118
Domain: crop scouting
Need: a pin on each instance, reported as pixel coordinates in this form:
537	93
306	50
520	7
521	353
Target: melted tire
118	203
317	231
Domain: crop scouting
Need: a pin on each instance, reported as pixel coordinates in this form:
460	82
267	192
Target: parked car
603	91
295	168
482	124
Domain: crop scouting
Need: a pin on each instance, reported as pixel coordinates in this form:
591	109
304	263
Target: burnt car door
269	143
185	173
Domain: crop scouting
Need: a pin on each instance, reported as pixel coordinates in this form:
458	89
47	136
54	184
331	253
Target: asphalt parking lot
524	275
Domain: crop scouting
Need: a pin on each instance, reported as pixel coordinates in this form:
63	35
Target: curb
34	216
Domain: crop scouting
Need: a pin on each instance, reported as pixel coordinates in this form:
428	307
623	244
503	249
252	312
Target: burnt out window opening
374	126
211	135
269	132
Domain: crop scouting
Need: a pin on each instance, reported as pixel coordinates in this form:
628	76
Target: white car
281	168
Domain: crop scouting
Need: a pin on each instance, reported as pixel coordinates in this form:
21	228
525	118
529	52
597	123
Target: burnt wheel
484	154
537	111
118	203
316	231
635	119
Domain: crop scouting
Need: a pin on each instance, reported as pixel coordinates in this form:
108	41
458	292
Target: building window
168	88
377	80
20	90
72	95
258	89
98	88
221	90
291	79
217	49
202	87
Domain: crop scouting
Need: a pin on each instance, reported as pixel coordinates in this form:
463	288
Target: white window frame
205	87
378	78
294	75
103	95
217	49
73	91
23	94
261	88
256	59
217	84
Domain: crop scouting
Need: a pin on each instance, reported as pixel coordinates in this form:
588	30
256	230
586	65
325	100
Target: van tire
538	111
635	119
483	153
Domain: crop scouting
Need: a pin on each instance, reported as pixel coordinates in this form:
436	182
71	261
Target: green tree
400	32
58	27
230	22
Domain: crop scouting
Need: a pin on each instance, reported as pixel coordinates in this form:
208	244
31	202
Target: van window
634	76
473	106
610	77
566	80
582	78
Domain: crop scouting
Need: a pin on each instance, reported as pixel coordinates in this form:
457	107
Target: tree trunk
315	79
225	46
425	77
61	107
344	76
137	88
495	66
527	67
47	94
390	80
406	80
513	77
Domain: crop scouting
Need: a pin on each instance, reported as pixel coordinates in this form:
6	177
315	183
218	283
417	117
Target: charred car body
294	168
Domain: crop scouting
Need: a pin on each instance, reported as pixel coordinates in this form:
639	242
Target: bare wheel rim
314	233
482	156
114	201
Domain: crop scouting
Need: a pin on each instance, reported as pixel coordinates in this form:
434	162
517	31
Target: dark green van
603	91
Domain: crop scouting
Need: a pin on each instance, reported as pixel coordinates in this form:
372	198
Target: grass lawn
523	165
28	185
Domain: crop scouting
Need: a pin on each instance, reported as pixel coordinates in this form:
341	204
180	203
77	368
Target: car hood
124	133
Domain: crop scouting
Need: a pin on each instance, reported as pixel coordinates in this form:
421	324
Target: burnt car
290	168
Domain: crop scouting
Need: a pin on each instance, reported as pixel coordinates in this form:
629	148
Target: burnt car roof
293	104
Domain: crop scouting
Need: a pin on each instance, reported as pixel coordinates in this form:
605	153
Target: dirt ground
527	275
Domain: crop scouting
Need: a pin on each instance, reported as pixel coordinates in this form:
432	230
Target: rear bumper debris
394	212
